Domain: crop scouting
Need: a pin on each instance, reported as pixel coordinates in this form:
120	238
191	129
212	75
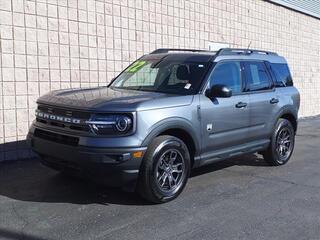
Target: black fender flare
286	110
174	123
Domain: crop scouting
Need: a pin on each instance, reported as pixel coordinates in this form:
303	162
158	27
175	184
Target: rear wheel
165	169
282	144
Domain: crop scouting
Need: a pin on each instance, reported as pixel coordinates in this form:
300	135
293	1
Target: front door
224	121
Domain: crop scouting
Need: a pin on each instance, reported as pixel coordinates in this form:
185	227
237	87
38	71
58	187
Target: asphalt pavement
240	198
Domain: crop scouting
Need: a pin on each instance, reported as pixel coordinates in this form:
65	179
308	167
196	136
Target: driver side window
229	74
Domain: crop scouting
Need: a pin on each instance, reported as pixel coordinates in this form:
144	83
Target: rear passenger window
229	74
257	76
282	74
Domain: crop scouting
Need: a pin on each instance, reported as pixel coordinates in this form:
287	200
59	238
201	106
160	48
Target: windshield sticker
200	65
187	86
136	66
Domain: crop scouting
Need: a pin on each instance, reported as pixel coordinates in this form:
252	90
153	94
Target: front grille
80	123
64	113
85	128
55	137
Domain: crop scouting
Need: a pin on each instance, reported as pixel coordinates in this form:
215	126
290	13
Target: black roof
183	57
194	55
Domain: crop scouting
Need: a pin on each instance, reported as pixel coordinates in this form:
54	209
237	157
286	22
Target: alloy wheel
170	170
284	144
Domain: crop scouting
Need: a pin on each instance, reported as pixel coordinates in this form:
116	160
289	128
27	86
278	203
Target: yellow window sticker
136	66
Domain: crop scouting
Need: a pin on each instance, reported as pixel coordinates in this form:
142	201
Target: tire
154	179
282	144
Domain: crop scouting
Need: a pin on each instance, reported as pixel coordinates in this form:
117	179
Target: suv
168	112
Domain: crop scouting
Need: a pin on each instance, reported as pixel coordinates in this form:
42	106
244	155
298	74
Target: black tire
277	155
156	160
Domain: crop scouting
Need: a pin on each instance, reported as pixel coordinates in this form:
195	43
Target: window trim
271	79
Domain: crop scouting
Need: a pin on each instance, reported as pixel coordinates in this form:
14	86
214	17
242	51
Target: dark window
229	74
257	76
282	74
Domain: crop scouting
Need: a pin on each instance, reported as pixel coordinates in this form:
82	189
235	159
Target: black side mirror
219	90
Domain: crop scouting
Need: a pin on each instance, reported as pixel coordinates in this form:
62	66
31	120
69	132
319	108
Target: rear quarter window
282	74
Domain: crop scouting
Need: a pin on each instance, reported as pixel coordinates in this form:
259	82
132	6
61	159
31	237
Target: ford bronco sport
170	111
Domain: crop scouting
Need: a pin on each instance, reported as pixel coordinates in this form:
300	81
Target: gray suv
168	112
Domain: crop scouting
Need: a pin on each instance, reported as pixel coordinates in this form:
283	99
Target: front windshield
162	76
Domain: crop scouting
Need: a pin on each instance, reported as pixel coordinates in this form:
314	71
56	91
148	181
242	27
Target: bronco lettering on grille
53	117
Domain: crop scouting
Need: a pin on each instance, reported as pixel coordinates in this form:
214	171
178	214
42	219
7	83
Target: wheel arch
179	128
291	115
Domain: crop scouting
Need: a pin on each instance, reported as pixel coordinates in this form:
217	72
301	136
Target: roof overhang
309	7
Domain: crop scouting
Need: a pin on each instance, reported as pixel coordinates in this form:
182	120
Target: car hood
106	99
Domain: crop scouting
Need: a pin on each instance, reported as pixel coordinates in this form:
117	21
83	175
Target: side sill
222	154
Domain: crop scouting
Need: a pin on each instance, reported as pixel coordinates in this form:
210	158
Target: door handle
241	105
274	100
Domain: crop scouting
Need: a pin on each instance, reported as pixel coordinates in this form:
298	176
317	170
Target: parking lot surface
240	198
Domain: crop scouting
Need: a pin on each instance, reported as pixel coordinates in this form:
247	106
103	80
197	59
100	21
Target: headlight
123	123
111	124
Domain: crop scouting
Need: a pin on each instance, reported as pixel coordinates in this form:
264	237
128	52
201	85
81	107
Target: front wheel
282	144
165	169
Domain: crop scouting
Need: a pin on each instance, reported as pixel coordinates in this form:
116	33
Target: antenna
249	45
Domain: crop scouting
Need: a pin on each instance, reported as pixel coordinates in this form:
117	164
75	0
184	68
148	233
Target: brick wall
53	44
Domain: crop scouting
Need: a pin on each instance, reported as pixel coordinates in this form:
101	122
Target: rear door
224	121
263	99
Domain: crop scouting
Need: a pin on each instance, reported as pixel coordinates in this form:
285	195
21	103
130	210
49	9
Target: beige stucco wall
53	44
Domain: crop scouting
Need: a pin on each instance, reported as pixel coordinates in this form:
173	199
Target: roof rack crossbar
233	51
166	50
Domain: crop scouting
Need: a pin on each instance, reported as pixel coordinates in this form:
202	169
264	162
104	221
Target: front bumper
115	167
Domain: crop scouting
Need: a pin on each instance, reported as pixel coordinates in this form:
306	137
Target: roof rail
222	51
166	50
239	51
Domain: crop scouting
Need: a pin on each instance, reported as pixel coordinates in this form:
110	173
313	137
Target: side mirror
219	90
